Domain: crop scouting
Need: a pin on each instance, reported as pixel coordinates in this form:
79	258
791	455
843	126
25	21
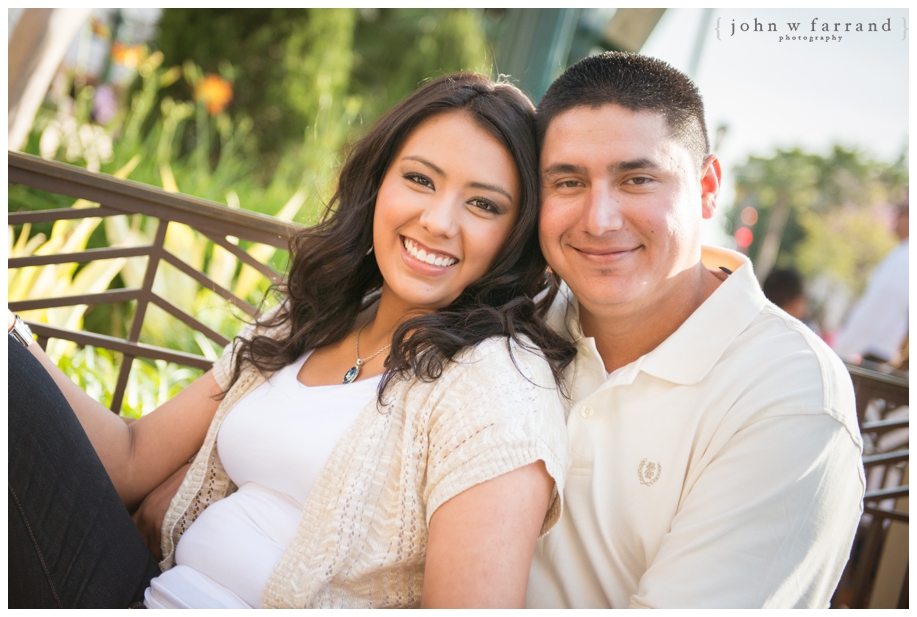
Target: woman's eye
485	204
419	179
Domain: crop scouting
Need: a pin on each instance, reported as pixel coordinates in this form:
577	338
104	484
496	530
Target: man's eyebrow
632	165
622	166
563	168
424	161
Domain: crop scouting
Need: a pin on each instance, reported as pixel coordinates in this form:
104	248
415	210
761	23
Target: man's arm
878	322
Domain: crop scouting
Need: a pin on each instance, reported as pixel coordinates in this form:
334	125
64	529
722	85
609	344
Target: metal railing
877	574
119	197
871	386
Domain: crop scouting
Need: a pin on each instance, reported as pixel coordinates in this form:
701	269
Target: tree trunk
36	47
770	245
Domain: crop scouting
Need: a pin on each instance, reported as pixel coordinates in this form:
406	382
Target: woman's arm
149	516
140	456
481	541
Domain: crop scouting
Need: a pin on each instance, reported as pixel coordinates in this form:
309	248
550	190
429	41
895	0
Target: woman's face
446	205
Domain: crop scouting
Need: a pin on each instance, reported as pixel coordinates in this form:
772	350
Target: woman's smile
427	256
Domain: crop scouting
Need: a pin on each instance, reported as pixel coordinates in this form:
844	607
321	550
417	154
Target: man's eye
485	204
568	184
640	180
419	179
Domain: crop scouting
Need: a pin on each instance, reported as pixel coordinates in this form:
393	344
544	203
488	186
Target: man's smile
605	255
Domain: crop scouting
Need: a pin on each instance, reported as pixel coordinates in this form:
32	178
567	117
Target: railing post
146	294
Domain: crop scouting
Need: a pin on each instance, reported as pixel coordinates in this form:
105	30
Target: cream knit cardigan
362	539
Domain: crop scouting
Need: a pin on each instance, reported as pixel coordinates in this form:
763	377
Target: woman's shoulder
495	408
223	367
501	358
264	325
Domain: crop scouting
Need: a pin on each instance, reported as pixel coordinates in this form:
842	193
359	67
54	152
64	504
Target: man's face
622	203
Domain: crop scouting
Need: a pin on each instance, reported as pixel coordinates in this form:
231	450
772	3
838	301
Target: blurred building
534	46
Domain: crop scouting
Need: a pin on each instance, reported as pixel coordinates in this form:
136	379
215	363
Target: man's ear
711	176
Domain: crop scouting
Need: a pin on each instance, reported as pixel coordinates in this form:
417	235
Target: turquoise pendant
350	375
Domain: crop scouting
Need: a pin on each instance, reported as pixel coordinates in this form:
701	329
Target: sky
774	93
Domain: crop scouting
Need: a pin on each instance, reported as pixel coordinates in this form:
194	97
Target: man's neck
623	334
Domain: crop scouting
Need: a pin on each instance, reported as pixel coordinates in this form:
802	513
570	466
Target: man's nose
440	216
603	211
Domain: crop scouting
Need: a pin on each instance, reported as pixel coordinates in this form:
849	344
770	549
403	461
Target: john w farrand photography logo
814	30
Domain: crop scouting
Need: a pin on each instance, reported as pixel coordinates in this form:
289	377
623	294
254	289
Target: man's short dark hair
634	82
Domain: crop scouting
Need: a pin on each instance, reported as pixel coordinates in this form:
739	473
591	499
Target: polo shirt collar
691	351
587	372
563	315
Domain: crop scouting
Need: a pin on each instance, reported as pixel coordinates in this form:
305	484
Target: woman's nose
440	217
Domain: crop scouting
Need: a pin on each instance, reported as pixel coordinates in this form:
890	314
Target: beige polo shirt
722	469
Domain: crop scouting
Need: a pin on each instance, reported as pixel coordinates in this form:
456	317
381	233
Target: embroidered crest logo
649	472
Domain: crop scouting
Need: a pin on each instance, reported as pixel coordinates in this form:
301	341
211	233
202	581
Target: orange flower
215	92
127	56
100	28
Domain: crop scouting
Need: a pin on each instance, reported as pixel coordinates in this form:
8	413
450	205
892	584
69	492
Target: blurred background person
877	326
784	287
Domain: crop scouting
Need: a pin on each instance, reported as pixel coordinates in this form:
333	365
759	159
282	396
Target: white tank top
273	444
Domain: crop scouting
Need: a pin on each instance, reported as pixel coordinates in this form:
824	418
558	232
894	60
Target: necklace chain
354	371
361	362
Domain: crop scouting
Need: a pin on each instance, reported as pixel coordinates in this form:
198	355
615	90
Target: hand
149	516
10	321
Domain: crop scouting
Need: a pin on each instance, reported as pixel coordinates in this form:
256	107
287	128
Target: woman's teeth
421	255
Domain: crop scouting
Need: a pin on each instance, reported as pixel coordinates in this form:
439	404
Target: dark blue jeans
72	543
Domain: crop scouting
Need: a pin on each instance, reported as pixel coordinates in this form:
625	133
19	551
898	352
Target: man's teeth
421	255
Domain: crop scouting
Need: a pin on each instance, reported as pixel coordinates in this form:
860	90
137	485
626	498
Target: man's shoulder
782	361
776	333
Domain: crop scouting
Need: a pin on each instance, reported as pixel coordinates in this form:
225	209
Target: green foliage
431	42
287	65
824	214
150	384
314	72
316	63
845	243
147	134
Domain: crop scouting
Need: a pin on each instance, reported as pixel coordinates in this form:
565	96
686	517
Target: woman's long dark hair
331	273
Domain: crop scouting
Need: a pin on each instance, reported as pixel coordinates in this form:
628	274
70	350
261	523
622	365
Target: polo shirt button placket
586	411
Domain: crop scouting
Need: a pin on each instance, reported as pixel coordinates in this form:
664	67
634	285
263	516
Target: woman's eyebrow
491	187
424	161
475	185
